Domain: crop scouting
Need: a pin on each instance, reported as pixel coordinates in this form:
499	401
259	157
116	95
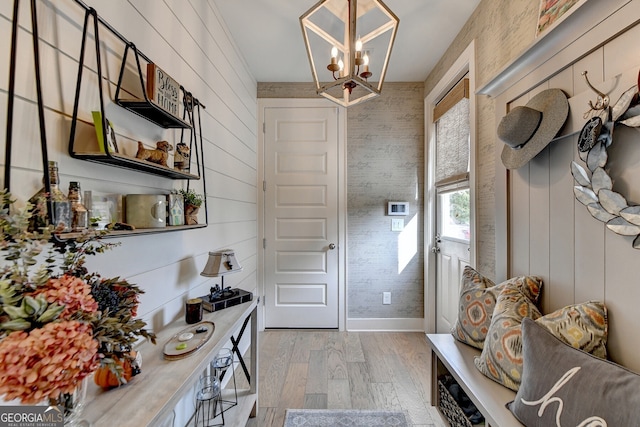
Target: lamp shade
221	263
349	44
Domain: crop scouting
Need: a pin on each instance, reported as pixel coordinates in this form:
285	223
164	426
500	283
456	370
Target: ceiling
268	34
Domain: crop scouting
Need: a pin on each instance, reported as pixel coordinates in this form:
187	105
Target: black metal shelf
190	123
153	113
126	162
138	232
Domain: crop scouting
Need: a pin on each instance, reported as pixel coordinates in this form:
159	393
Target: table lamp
220	264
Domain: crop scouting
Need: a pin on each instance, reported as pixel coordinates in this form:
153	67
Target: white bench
456	358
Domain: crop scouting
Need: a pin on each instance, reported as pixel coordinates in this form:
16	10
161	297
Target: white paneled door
301	217
451	247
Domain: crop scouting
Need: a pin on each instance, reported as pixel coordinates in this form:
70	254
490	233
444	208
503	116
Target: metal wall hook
602	101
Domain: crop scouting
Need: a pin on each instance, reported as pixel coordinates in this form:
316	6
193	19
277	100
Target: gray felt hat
526	130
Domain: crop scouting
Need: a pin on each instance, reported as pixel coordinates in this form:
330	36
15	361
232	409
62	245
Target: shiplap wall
188	40
553	235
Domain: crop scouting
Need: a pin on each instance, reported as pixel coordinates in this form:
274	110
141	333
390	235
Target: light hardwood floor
351	370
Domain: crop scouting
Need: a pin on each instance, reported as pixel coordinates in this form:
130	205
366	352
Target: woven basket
450	409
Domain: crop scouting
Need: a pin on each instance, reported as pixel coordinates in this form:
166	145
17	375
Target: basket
450	409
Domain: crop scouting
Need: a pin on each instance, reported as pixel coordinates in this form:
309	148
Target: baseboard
392	325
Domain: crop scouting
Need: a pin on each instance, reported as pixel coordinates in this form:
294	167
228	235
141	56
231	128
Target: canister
146	210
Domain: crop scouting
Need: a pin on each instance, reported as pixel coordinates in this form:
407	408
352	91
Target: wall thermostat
398	208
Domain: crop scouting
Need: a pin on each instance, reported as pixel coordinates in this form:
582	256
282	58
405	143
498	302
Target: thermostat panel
398	208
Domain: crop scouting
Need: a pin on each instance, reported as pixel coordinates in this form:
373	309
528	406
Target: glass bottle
57	195
79	213
60	206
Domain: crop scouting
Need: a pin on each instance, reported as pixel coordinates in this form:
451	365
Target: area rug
343	418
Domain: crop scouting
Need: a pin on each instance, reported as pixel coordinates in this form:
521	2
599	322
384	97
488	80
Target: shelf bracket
11	97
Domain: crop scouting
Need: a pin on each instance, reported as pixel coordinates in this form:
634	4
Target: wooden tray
192	345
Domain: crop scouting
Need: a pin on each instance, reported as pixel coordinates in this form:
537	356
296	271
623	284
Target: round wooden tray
194	344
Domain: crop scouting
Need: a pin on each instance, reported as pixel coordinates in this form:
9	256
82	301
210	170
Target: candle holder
220	365
193	312
207	401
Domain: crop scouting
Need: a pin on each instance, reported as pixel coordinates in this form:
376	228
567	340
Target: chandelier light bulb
365	72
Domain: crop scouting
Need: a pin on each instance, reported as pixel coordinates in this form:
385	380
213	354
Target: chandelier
349	44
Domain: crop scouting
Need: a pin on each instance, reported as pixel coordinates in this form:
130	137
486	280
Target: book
98	122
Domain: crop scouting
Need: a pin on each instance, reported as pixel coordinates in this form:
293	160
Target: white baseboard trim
392	325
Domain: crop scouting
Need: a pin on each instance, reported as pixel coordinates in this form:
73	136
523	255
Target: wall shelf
120	160
144	107
153	113
138	232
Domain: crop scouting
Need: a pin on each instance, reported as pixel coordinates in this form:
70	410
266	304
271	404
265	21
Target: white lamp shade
221	263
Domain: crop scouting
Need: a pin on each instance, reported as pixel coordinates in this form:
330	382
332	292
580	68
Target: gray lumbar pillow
565	386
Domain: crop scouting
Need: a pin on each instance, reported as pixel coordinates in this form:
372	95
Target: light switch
397	224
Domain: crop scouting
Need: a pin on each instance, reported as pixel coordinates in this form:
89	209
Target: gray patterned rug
343	417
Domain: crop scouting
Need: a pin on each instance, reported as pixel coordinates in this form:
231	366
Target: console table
151	396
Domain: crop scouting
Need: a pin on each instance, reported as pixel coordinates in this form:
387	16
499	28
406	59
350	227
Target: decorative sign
162	90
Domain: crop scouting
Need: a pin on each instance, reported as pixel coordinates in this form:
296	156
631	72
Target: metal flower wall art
594	187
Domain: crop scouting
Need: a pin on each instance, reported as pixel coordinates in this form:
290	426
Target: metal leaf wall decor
594	187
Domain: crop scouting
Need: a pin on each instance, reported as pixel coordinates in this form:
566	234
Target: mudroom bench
456	358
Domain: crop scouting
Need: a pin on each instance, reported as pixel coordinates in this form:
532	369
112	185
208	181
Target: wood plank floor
350	370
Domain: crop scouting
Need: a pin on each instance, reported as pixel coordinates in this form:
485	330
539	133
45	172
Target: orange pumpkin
106	379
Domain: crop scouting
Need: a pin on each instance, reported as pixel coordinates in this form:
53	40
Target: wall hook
602	102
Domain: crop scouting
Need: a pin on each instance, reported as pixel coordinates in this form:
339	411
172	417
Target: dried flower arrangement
58	322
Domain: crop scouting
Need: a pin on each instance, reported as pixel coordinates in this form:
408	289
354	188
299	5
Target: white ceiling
268	34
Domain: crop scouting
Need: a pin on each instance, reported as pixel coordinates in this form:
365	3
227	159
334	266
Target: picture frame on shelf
110	134
553	12
176	209
163	90
104	208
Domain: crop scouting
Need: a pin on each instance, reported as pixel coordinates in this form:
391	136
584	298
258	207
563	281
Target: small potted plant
192	203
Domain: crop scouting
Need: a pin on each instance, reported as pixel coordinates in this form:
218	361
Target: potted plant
192	203
59	322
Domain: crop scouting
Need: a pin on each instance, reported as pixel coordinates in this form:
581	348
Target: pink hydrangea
70	291
47	361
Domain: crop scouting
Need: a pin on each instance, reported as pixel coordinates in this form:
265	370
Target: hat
526	130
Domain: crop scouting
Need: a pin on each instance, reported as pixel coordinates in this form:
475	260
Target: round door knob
332	246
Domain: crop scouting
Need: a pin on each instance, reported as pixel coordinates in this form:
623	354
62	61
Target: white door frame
264	103
465	63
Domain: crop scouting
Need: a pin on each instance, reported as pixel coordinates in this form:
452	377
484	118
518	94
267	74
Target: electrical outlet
386	298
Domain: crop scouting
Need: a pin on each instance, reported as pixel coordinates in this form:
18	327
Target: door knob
435	250
332	246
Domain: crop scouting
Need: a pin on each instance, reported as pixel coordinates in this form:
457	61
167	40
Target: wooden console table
151	396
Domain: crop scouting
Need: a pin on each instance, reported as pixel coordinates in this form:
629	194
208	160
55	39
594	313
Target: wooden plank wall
190	42
553	235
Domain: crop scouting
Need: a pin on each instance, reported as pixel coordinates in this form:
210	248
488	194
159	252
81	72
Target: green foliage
459	206
117	329
191	197
33	258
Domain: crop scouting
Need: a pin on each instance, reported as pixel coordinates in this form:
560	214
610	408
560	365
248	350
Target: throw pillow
501	357
582	326
478	296
565	386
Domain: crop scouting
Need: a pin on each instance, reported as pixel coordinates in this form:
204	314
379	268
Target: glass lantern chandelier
349	44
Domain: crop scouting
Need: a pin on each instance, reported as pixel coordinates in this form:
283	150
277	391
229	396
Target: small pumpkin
106	378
